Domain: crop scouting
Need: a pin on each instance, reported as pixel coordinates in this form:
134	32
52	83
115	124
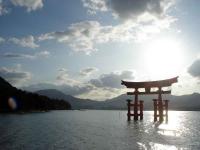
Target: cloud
2	40
3	9
31	5
133	9
15	55
74	90
139	19
95	5
14	75
109	85
112	80
130	9
101	93
84	36
63	76
194	69
79	36
63	83
28	41
42	54
88	71
71	86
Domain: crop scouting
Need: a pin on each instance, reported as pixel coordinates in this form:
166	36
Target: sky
86	47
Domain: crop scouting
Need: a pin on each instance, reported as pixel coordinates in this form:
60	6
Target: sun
163	58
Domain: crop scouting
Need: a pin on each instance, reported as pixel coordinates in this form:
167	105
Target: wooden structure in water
160	105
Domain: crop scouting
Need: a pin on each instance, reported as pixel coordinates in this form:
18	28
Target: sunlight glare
163	58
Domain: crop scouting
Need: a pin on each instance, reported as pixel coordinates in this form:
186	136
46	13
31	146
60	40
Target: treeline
13	99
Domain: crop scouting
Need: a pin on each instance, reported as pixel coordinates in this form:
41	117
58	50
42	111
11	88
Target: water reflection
158	146
173	127
98	130
166	135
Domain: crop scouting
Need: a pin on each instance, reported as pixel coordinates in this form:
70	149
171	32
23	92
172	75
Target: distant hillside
13	99
76	103
185	102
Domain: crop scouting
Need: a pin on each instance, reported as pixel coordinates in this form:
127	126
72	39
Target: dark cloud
42	54
134	8
112	80
194	69
14	76
129	9
15	55
63	83
106	82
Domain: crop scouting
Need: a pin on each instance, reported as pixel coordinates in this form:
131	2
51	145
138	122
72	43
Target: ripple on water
95	129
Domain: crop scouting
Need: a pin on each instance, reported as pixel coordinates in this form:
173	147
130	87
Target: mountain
4	84
76	103
13	99
184	102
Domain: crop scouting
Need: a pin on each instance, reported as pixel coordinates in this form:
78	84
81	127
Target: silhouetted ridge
76	103
13	99
4	84
184	102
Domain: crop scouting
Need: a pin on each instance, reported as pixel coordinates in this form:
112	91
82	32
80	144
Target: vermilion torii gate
159	105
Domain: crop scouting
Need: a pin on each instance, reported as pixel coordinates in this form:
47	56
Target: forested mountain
13	99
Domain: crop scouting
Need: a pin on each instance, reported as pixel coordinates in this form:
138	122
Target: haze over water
97	129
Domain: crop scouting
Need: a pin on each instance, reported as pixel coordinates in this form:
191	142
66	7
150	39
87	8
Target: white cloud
95	5
68	85
88	71
62	76
79	36
43	54
101	93
3	9
15	76
140	18
30	5
28	41
84	36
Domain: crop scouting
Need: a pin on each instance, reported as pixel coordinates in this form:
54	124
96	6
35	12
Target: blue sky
85	47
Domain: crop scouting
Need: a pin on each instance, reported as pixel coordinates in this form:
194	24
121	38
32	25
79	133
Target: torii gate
159	106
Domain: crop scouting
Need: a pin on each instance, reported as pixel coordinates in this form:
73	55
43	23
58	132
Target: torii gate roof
150	84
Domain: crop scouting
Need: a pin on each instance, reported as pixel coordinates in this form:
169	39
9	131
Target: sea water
98	129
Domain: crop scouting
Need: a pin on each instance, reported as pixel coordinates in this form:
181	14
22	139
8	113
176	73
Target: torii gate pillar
160	106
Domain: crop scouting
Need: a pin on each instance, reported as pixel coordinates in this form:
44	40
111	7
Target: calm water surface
98	129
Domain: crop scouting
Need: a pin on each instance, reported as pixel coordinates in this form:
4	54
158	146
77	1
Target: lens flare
12	103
